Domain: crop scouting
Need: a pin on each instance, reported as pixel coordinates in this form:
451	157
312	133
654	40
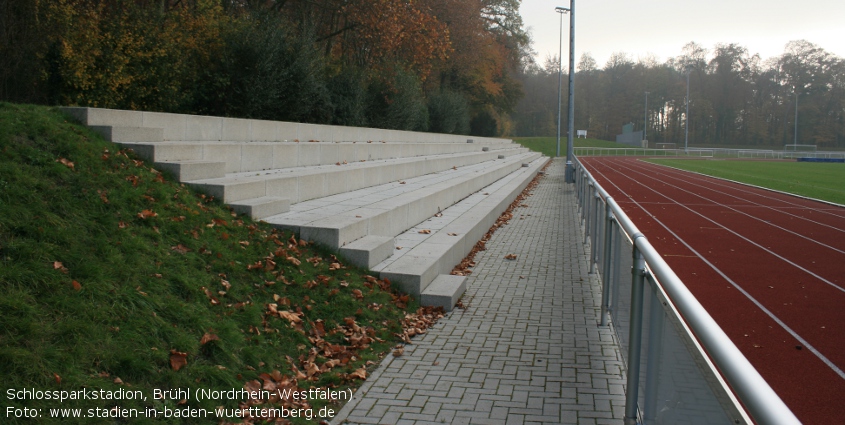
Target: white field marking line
738	235
746	192
740	212
766	189
759	305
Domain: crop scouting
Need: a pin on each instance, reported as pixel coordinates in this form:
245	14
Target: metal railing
681	366
707	153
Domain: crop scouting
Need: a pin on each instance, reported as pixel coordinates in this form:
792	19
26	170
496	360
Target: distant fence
681	366
707	153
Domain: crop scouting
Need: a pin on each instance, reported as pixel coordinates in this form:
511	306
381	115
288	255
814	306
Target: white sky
663	27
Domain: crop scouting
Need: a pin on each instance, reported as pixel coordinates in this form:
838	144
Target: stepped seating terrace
407	205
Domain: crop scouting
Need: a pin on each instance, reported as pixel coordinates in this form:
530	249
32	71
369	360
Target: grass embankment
115	277
814	180
548	145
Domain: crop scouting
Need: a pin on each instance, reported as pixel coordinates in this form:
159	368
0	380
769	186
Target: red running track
769	268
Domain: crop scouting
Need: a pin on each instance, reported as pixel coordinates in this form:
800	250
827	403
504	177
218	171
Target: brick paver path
527	349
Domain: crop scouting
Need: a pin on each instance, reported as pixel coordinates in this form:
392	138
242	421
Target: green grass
548	145
95	293
824	181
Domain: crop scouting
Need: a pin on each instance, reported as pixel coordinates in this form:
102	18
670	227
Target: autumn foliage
382	63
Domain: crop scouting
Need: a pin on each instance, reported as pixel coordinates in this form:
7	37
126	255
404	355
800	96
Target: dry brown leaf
510	257
357	294
76	285
178	359
291	316
57	378
181	249
66	162
359	374
147	214
207	337
425	231
399	351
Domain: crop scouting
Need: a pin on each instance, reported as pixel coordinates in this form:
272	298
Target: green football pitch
825	181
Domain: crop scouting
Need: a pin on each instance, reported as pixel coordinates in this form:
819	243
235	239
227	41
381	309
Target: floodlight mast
561	11
570	169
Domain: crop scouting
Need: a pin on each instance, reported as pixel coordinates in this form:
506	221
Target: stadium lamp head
561	9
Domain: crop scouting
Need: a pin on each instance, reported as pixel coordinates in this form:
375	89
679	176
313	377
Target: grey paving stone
527	349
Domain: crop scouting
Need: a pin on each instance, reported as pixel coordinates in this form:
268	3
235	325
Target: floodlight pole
570	170
645	118
686	123
795	137
561	11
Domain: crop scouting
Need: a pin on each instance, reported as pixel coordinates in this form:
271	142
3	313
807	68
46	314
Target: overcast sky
663	27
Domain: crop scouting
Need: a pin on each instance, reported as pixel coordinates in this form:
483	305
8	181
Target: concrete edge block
194	170
258	208
444	291
368	251
129	134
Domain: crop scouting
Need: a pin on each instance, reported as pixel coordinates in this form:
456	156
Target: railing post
596	237
655	347
588	222
605	272
635	334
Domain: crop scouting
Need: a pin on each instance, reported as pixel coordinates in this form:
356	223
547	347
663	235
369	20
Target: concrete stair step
259	208
194	170
444	291
306	183
453	234
388	210
129	134
368	251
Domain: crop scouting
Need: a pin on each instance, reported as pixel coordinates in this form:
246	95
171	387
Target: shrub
448	112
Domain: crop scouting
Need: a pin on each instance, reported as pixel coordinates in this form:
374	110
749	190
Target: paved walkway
526	350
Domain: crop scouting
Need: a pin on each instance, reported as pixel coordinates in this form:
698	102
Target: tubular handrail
762	404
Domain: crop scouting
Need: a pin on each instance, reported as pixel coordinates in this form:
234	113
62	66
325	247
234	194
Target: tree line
447	66
736	98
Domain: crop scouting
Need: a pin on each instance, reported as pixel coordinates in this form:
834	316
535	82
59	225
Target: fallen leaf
76	285
291	316
178	359
510	257
360	373
452	234
147	214
118	381
207	337
57	378
357	294
66	162
182	249
399	351
425	231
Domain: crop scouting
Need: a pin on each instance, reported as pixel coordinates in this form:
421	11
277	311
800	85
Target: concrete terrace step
207	128
305	183
444	291
260	156
390	209
448	237
259	208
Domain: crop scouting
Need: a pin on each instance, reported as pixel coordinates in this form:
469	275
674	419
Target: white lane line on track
759	305
826	211
712	202
838	229
796	265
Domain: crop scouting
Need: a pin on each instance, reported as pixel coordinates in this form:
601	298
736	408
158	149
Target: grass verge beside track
823	181
548	145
